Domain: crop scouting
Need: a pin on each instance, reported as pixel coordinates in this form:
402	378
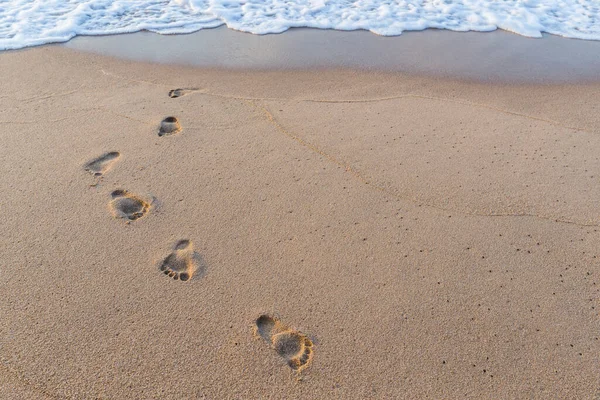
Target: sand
335	234
497	56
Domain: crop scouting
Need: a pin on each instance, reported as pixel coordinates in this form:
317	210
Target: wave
26	23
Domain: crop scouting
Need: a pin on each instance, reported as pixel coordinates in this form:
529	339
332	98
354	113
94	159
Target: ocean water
33	22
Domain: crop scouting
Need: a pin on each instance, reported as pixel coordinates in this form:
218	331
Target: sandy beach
335	234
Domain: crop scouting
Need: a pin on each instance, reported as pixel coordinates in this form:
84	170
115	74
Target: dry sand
402	236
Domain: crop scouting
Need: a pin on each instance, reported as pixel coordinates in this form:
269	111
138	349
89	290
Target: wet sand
497	56
334	233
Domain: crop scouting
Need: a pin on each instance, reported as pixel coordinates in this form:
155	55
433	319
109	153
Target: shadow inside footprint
293	346
169	126
128	206
183	263
176	93
98	166
180	92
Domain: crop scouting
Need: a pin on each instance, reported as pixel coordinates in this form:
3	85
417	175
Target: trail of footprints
183	263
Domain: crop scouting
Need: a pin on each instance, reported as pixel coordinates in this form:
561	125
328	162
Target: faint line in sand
307	144
49	96
414	96
457	101
102	109
124	78
356	174
33	122
371	100
42	97
89	111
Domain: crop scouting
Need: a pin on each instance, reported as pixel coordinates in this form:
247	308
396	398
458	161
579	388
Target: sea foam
33	22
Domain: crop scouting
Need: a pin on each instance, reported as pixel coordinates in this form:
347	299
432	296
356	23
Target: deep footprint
180	92
128	206
169	126
293	346
183	262
99	166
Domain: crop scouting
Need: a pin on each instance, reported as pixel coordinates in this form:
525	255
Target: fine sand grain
305	234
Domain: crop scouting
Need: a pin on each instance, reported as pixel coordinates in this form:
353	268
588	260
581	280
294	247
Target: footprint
295	347
99	166
169	126
180	92
183	262
128	206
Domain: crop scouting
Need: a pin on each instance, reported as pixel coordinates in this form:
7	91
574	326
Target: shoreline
497	56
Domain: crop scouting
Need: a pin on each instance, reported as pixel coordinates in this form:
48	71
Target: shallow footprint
98	166
183	262
169	126
180	92
128	206
295	347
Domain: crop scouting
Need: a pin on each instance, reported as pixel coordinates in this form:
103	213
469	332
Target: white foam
33	22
